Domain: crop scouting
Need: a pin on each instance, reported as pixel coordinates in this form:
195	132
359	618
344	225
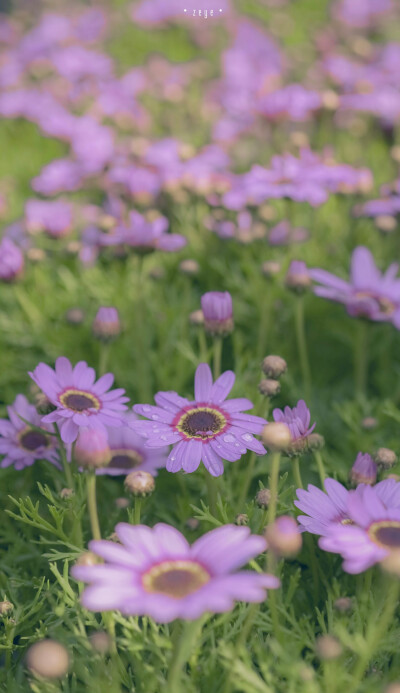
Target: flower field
199	346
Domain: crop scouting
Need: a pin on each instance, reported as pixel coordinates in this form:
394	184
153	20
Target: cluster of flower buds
273	367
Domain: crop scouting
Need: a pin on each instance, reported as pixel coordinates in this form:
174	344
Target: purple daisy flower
208	429
79	400
145	236
129	451
368	294
298	419
20	444
11	261
157	573
372	533
325	511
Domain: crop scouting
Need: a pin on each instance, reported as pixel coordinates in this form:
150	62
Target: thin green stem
217	348
360	359
104	352
137	510
92	505
296	472
202	345
248	478
302	346
263	326
320	465
63	455
273	485
181	653
211	484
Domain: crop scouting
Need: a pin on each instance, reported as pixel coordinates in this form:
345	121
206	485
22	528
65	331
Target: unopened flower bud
343	604
35	255
196	317
75	316
6	608
242	519
106	325
385	458
274	366
369	423
315	441
330	100
297	277
270	268
269	388
87	558
192	523
283	537
364	470
66	493
48	659
391	564
91	448
100	641
392	687
386	223
218	313
298	447
43	404
263	497
276	436
190	267
328	647
140	483
395	153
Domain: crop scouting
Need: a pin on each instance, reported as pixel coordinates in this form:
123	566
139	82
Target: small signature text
203	13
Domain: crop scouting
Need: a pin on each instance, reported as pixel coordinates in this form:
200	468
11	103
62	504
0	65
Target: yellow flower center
201	423
176	579
79	400
385	533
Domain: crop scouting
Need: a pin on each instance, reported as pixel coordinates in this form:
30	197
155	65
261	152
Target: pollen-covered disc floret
374	532
210	429
79	400
22	444
157	573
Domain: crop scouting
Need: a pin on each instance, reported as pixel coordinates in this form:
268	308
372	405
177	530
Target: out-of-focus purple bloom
361	13
129	451
61	175
90	25
371	535
20	444
91	448
11	260
79	400
285	234
368	294
297	419
157	573
145	236
208	429
218	312
293	102
364	470
76	62
326	510
54	217
92	144
383	102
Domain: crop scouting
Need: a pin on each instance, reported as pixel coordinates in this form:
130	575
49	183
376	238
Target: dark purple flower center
79	401
386	533
125	459
32	440
201	422
176	579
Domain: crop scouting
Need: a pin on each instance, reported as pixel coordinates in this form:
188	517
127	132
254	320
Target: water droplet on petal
247	437
229	438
